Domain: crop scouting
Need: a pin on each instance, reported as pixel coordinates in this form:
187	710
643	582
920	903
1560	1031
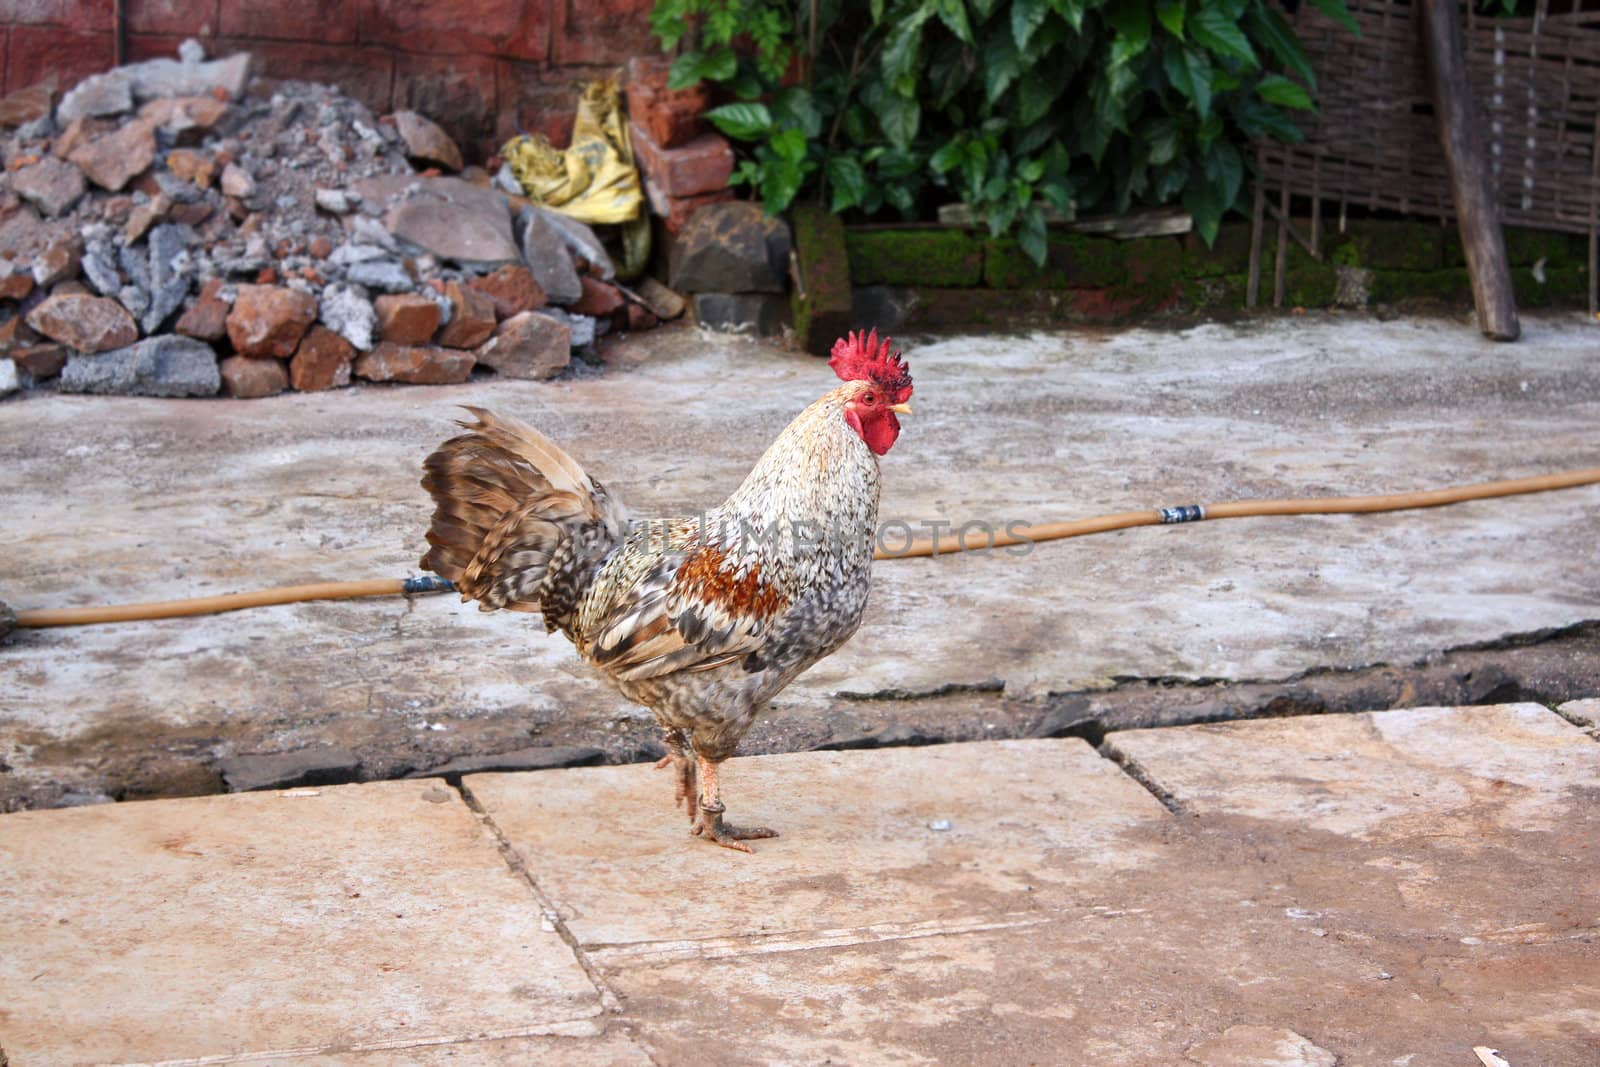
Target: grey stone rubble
302	188
118	90
157	366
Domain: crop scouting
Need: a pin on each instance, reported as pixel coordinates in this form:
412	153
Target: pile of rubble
170	228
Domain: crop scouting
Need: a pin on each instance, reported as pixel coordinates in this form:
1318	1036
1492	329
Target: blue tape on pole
427	583
1185	513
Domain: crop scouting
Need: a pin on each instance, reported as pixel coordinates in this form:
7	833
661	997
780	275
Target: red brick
40	361
181	18
599	298
529	105
207	318
69	14
670	116
457	92
39	52
420	365
472	320
322	361
295	20
607	32
249	378
513	290
406	318
460	27
701	166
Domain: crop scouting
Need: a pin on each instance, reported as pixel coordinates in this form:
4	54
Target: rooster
702	620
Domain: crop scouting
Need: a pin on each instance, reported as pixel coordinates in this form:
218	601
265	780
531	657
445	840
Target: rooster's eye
868	398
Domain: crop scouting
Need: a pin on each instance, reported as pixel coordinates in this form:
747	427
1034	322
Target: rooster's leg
709	822
677	758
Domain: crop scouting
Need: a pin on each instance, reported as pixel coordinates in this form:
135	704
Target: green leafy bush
1019	109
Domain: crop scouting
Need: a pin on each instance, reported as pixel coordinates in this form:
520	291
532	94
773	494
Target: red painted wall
484	69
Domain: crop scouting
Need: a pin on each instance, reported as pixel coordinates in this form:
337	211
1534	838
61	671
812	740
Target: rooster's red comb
862	357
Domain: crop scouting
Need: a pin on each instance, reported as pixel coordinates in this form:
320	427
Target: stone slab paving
1382	889
1585	713
210	929
1028	820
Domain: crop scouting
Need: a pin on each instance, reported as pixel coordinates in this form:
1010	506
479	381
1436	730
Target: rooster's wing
672	600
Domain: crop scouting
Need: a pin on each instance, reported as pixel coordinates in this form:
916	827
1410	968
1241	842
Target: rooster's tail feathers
515	518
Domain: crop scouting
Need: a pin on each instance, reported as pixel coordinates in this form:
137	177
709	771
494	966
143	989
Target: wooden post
1477	214
1252	285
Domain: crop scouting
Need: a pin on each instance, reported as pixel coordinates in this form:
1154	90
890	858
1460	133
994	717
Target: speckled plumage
701	619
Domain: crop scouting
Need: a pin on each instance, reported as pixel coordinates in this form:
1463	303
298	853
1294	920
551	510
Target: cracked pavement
115	499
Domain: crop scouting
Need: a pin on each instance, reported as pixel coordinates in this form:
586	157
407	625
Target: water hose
933	546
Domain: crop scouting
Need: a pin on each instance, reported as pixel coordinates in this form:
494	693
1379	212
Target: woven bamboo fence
1373	142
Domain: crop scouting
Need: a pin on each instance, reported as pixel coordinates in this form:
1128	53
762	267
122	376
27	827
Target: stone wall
484	70
932	278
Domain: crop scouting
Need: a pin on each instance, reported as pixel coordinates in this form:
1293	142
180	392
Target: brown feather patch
706	576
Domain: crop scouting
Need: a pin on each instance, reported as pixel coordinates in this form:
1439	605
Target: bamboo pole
1477	213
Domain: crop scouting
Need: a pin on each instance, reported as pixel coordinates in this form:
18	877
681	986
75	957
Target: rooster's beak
903	409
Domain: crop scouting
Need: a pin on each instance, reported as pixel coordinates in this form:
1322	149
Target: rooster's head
878	387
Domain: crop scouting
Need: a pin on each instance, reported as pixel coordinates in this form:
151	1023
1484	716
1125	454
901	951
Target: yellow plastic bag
594	181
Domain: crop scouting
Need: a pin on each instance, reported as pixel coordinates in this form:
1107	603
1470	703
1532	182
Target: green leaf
947	158
789	144
899	118
1276	89
953	13
669	21
1162	140
747	86
849	182
1190	73
1170	12
1131	20
1201	201
1258	119
1336	11
1026	15
1224	168
747	122
1001	63
1037	91
1072	11
795	107
1031	235
693	67
974	164
1268	28
780	181
1212	27
1059	194
685	71
900	51
1031	171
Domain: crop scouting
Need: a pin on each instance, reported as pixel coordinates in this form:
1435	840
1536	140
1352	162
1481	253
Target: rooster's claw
709	824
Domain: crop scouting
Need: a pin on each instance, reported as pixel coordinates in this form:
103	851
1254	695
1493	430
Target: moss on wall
1371	261
938	257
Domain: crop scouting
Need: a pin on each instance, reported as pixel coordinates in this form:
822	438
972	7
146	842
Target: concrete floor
113	499
1365	890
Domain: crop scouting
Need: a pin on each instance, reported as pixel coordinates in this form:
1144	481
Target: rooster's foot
709	825
687	787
